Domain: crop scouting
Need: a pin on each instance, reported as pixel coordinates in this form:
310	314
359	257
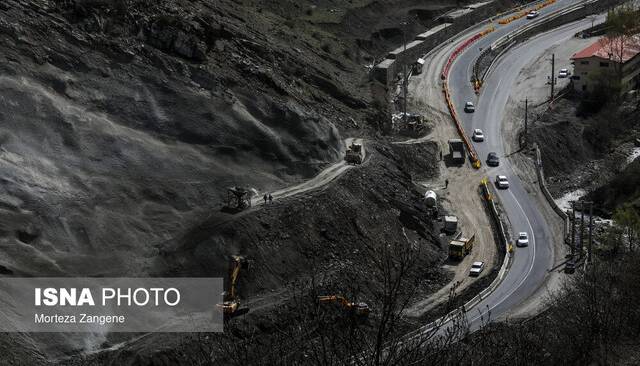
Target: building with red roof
608	56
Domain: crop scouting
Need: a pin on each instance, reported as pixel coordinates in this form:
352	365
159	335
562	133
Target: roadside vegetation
622	25
591	320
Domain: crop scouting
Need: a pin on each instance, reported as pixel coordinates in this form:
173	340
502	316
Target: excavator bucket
362	309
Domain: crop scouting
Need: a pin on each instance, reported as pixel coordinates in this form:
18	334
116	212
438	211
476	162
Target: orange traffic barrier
524	13
475	162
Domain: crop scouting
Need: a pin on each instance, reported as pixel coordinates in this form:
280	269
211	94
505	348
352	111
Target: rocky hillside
137	114
123	122
592	152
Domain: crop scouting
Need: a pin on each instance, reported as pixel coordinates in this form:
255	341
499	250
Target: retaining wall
485	61
487	194
386	71
547	194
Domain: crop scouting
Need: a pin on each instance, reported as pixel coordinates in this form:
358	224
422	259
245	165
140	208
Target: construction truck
456	149
413	125
459	248
354	154
359	309
231	302
238	198
450	224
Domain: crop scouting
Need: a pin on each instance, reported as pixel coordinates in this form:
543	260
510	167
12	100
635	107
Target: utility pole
526	121
590	231
581	226
404	73
573	229
553	73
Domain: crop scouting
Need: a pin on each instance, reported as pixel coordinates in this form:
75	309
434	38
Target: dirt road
461	198
324	177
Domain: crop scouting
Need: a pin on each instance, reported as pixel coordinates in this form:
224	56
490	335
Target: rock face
123	122
177	37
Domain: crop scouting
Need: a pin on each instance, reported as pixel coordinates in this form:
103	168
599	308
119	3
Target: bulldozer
359	309
231	303
354	154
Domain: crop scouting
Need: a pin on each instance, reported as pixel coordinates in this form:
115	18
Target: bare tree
622	27
320	334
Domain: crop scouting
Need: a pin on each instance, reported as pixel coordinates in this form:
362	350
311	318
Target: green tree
627	218
623	24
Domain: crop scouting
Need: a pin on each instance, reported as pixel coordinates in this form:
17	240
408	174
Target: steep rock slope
123	122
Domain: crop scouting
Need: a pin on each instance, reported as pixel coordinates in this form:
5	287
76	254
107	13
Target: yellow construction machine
353	154
231	301
359	309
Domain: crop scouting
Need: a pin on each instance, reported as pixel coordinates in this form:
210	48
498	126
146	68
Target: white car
478	135
564	73
502	182
523	240
532	14
476	269
469	107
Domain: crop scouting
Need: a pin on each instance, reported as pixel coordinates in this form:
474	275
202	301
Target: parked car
493	159
523	240
564	73
478	135
532	14
469	107
502	182
476	269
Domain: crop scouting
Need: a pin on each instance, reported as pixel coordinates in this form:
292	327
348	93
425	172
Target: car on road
469	107
564	73
478	135
523	240
476	269
493	159
532	14
502	182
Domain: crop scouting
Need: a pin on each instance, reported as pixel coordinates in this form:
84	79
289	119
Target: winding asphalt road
530	264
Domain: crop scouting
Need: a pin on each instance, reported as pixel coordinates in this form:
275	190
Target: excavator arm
360	309
233	279
231	302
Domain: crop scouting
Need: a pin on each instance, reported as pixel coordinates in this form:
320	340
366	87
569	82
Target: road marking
533	260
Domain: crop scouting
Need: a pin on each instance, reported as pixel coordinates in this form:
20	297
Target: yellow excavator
231	302
359	309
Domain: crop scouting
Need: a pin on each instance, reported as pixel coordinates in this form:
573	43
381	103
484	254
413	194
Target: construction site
387	182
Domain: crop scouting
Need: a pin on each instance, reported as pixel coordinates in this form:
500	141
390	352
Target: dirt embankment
322	239
373	26
122	124
591	152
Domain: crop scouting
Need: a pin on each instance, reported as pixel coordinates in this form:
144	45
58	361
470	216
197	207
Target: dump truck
459	248
354	154
456	149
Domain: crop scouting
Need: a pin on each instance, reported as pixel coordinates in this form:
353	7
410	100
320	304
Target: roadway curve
531	264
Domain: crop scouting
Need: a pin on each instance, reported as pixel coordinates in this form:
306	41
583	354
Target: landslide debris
123	123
